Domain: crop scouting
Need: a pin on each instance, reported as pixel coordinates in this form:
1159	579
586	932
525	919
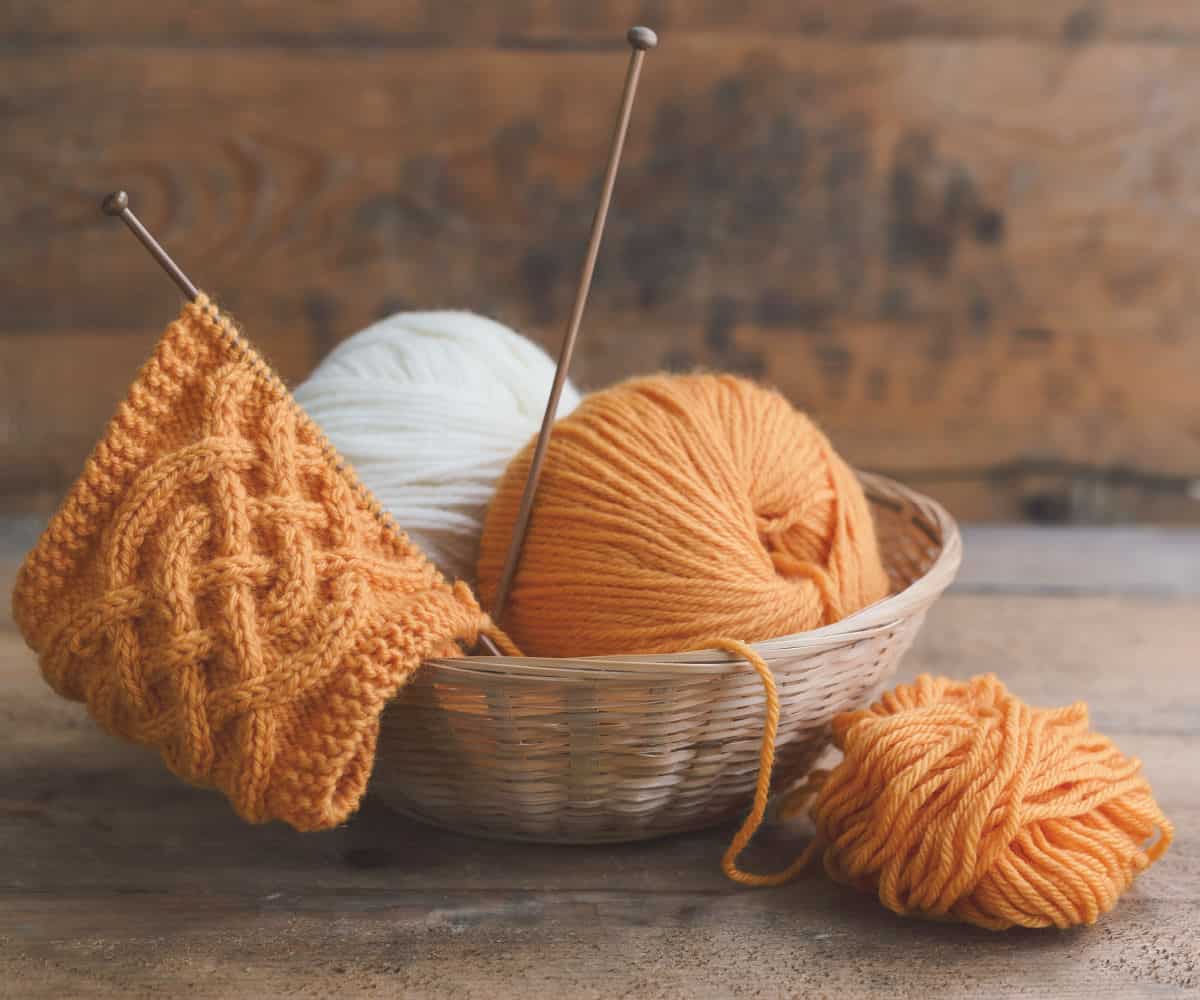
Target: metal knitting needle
641	40
117	204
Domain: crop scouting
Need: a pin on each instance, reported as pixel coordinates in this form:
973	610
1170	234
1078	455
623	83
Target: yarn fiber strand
958	800
218	585
674	508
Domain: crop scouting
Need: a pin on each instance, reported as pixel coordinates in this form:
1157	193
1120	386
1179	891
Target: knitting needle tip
642	38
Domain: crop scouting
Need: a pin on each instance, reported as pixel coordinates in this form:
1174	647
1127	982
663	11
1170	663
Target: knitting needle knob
115	204
642	38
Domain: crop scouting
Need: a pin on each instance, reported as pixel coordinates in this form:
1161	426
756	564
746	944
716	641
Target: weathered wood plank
969	259
585	23
597	944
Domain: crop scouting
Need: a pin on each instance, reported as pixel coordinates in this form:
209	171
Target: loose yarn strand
488	628
762	786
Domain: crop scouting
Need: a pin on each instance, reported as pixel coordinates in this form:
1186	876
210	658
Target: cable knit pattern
219	585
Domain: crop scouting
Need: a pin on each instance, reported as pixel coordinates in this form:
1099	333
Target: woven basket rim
875	619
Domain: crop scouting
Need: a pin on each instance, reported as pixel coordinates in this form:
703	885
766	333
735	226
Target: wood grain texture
536	23
961	238
117	880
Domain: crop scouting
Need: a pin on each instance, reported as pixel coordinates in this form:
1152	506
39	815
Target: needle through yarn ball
957	799
429	408
677	508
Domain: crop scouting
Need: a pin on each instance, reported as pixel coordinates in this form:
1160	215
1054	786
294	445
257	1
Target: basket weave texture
620	748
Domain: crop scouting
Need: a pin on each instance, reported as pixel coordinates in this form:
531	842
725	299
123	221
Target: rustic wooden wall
962	233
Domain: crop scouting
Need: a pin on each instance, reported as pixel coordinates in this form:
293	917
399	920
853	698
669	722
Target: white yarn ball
429	407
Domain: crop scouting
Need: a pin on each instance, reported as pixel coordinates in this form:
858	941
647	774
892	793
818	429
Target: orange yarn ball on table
675	509
958	799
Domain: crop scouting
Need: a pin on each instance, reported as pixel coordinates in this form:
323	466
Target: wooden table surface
116	879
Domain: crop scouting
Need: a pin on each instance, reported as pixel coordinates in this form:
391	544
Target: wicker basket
626	748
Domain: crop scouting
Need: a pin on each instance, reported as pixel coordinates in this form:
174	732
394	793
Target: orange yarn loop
218	585
956	799
676	507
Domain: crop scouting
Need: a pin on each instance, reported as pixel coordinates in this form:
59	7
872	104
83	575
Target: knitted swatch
218	585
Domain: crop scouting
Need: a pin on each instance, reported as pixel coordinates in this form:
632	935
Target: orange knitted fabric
218	585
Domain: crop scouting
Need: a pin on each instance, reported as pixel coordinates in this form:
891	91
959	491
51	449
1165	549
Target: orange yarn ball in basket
675	508
957	799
